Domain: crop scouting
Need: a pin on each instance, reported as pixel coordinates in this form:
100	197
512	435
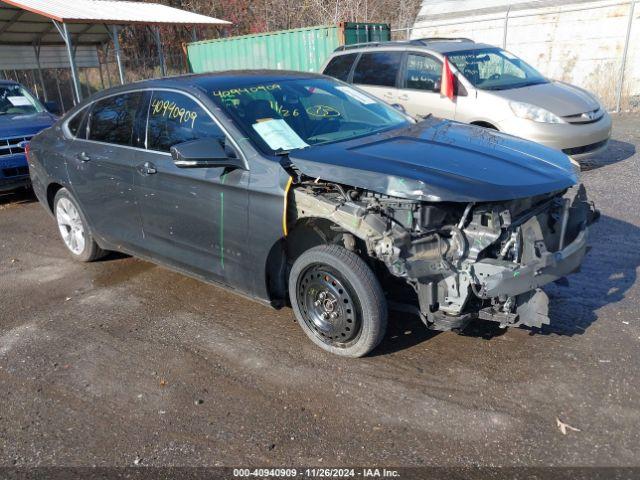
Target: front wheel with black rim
338	301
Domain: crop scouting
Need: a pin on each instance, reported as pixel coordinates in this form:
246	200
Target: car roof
210	81
439	45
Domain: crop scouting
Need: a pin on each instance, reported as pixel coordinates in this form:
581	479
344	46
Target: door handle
387	95
403	97
147	168
83	157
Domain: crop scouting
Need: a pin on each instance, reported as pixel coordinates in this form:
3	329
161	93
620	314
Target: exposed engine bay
483	260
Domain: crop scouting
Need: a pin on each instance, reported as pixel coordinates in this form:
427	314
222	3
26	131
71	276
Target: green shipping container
302	49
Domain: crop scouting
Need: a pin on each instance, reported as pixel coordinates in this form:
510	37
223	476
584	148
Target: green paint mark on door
222	230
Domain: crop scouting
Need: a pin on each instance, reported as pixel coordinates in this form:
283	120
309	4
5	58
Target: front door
420	93
194	219
101	168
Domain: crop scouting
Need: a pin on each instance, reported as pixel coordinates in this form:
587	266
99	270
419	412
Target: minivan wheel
338	301
74	229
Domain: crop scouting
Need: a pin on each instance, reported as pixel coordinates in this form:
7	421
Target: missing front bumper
509	292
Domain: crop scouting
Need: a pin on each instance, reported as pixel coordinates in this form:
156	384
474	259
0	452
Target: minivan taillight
27	150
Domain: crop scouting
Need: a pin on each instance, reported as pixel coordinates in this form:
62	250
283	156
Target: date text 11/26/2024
316	472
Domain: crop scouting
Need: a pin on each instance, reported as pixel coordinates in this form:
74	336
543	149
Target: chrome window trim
151	89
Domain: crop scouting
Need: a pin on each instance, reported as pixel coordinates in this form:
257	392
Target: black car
297	188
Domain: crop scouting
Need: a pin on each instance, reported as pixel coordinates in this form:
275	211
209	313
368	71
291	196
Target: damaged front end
483	260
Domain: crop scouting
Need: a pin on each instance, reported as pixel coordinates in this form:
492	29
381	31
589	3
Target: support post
57	76
194	34
116	50
100	72
156	35
34	82
36	49
106	63
505	29
64	33
623	67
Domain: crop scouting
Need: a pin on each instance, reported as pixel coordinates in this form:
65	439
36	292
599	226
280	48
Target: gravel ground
122	362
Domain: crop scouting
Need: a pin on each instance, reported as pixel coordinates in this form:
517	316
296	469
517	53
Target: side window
175	118
378	68
112	118
77	125
423	72
339	67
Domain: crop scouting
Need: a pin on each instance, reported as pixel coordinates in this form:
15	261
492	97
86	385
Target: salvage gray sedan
298	189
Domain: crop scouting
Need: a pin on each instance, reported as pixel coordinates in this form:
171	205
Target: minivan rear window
378	68
339	67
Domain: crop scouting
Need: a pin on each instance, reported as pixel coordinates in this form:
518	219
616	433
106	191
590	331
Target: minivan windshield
289	114
16	100
495	69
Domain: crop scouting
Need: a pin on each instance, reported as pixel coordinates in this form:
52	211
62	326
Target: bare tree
254	16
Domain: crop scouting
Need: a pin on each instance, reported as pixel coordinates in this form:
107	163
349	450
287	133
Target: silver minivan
491	88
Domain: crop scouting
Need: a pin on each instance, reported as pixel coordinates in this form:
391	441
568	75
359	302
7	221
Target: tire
74	229
338	301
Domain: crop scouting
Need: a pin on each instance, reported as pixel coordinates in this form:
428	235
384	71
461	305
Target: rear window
378	68
77	125
112	119
339	67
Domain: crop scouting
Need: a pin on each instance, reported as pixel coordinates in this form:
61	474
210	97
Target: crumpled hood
24	125
559	98
440	160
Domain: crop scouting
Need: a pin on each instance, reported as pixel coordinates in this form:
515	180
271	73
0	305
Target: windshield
16	100
296	113
495	69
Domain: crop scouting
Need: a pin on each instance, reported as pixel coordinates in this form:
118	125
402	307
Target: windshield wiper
515	85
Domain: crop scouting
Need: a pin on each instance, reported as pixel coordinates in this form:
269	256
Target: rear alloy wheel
73	228
338	301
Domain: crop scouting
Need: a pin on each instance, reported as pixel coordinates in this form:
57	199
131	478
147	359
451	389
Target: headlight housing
531	112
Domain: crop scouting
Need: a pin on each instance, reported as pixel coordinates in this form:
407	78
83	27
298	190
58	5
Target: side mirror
53	107
205	153
399	107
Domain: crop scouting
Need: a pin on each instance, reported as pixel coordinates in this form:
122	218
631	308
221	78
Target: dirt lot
121	362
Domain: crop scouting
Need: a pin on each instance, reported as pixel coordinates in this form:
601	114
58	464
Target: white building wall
578	41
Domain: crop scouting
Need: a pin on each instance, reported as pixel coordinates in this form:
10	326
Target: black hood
440	160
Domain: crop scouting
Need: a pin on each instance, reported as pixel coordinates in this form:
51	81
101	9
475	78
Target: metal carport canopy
86	22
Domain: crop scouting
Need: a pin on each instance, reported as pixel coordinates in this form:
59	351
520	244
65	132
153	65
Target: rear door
420	88
378	73
195	219
101	168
